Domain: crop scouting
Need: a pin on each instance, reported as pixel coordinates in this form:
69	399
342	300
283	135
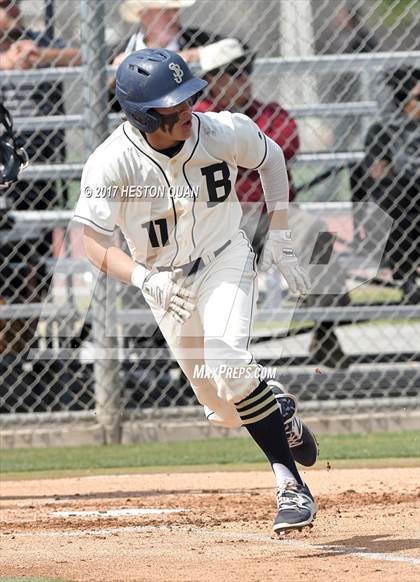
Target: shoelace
294	432
288	497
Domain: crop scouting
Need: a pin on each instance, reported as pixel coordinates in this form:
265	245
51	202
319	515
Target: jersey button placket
173	170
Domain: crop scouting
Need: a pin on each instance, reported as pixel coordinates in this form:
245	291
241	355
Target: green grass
375	294
305	173
206	453
392	12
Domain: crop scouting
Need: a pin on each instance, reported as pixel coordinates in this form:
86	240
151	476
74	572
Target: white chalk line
243	536
115	512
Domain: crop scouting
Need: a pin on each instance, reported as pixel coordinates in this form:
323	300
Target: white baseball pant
217	335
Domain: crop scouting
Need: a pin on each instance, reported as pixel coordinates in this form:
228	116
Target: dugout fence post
103	306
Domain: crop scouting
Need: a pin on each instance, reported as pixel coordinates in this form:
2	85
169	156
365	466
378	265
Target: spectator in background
390	176
352	36
159	27
227	66
23	49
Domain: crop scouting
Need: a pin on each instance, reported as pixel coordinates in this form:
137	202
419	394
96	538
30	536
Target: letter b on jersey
218	188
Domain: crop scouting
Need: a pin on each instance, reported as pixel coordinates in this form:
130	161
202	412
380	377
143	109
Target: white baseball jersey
171	210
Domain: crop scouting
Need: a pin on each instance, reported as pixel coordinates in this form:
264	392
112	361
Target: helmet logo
177	73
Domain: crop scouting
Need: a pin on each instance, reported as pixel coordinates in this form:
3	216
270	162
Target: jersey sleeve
250	142
98	203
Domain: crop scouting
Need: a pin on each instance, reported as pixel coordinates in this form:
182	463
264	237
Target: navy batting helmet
153	78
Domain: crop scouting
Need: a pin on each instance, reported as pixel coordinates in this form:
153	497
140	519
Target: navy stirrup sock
261	416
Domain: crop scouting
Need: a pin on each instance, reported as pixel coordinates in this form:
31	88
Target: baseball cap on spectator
130	10
228	55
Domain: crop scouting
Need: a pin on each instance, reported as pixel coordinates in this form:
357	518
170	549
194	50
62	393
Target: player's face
176	122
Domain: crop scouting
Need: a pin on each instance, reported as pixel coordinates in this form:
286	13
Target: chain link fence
337	85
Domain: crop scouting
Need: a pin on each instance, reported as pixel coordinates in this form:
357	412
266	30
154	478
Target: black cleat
296	508
302	442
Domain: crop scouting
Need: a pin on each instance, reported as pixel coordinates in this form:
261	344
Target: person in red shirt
227	66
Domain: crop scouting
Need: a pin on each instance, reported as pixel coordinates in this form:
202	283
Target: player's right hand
161	287
279	252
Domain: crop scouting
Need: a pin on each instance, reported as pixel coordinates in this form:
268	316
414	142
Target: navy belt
197	264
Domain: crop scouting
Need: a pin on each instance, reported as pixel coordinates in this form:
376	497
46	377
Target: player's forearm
118	264
275	183
109	259
279	220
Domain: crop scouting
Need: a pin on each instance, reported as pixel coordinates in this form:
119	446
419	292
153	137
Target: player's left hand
278	250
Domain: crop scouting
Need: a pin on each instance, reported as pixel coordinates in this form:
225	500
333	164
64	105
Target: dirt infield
367	528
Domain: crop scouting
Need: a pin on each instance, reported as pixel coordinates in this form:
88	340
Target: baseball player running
166	177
